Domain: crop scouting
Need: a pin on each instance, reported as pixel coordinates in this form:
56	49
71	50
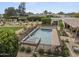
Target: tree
21	8
10	11
61	24
61	13
45	12
8	43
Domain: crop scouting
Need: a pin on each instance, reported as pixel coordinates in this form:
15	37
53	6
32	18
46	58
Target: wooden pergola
74	24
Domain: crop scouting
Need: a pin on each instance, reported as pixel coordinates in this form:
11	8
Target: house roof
73	22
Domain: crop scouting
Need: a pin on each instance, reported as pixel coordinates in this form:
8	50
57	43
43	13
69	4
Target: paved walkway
55	39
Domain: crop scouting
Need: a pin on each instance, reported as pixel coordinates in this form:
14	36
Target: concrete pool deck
55	39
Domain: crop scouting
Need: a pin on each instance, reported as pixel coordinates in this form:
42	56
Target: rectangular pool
44	34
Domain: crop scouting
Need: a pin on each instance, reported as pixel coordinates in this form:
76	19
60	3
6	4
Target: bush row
27	50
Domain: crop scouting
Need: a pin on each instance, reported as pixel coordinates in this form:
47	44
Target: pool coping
31	33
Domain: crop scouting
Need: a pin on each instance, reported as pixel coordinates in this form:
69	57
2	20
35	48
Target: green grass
12	28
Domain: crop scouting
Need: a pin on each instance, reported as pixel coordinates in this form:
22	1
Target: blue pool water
44	34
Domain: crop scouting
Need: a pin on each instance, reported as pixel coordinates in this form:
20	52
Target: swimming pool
44	34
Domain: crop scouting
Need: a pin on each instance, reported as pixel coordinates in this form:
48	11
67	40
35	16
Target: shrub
65	50
34	55
66	53
46	20
28	50
33	18
49	52
8	43
61	24
62	33
41	51
22	49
